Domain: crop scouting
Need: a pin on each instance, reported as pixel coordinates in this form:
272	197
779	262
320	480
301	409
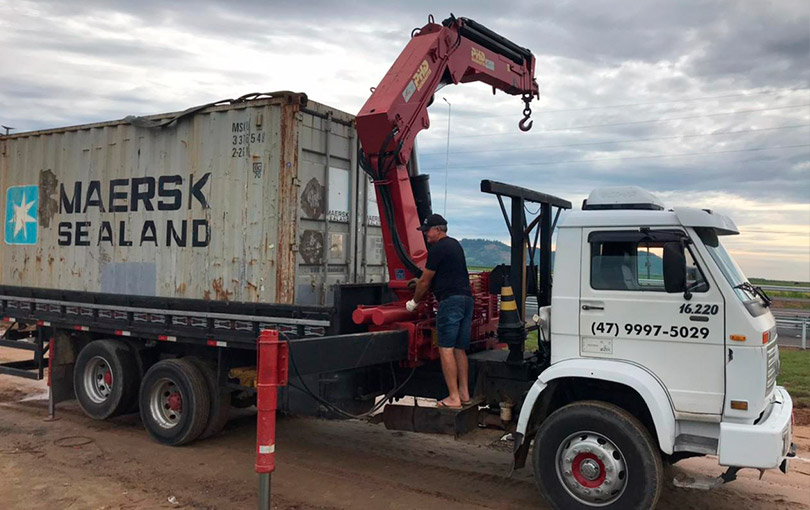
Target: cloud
705	99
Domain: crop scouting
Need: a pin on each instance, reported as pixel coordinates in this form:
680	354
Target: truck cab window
630	265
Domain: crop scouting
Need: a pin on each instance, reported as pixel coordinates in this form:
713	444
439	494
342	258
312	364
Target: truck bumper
764	445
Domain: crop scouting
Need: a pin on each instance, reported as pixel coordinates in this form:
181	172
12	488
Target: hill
484	253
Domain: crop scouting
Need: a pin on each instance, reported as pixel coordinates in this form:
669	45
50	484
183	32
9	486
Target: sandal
441	405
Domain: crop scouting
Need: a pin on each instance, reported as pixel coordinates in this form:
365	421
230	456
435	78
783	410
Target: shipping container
256	201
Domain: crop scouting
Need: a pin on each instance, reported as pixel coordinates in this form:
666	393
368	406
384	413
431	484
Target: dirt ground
76	463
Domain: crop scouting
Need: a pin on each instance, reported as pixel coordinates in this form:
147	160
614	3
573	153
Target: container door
325	208
626	314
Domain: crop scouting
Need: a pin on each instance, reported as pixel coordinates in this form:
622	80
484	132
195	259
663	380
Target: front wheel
594	454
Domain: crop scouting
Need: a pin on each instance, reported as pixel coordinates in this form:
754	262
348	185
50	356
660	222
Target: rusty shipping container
252	201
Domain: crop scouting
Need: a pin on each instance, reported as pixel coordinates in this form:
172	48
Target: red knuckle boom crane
459	50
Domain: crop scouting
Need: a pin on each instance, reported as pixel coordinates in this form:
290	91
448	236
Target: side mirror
674	267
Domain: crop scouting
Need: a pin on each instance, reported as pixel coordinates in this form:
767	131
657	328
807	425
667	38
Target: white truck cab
651	318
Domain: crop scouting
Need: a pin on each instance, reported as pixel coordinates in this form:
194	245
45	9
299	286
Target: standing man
446	274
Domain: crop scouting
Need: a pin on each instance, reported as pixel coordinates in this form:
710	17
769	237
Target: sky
705	103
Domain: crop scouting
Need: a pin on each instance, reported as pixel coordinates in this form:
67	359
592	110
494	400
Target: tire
174	402
581	451
220	399
105	379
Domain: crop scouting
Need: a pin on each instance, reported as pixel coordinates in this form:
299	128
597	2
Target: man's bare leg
463	374
450	371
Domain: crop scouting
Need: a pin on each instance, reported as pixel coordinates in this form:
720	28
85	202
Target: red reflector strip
216	343
122	333
81	328
167	338
43	323
9	319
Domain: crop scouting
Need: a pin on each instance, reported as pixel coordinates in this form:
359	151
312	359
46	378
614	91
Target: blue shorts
454	322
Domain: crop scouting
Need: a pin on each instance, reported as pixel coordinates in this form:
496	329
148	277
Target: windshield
731	271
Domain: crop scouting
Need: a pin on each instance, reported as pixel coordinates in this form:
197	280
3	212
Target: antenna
7	128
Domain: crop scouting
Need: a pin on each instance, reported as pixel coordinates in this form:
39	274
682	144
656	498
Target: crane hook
525	124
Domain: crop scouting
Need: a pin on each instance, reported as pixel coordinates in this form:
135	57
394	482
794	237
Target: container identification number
613	328
242	137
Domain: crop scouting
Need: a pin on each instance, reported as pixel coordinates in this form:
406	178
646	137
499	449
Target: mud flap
61	360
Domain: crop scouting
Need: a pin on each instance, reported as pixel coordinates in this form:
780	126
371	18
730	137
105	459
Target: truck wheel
220	399
105	379
174	402
592	453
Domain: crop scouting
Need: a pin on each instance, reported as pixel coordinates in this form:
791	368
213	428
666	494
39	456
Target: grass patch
795	375
790	305
531	341
792	294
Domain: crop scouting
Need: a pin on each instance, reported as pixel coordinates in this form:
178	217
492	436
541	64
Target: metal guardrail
784	288
794	320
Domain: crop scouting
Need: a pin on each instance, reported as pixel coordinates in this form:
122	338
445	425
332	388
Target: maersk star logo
22	208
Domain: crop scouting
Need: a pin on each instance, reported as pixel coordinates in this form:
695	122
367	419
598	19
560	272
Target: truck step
432	420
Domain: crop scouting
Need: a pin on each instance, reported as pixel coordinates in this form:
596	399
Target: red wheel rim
576	469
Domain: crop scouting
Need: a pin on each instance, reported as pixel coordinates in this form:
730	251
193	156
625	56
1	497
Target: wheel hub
175	401
166	403
98	380
591	468
588	470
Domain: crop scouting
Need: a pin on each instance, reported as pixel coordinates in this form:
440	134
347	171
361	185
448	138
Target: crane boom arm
457	51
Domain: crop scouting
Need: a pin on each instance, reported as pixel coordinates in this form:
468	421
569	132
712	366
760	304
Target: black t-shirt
446	257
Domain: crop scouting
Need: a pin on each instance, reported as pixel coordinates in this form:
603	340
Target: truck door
626	314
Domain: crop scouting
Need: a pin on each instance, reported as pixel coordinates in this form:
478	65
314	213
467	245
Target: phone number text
614	329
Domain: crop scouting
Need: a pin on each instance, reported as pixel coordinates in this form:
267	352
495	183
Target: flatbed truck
653	346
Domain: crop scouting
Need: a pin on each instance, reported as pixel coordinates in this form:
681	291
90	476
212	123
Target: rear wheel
105	379
174	402
594	454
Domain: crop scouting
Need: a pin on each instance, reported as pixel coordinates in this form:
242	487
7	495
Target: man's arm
423	285
422	288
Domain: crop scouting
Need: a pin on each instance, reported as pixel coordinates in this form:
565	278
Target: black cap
434	220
